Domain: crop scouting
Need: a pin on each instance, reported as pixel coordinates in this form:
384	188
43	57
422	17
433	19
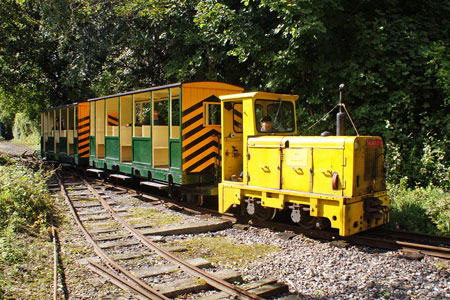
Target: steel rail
187	267
116	279
426	249
55	265
377	238
140	285
412	236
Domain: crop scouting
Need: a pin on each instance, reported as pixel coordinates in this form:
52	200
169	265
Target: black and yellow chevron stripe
113	119
83	137
200	143
237	119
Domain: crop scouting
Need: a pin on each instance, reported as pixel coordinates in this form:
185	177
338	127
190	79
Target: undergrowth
25	132
25	214
425	210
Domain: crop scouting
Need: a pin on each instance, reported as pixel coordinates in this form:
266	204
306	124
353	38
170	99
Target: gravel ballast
315	269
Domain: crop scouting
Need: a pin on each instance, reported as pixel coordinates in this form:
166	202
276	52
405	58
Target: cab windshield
274	116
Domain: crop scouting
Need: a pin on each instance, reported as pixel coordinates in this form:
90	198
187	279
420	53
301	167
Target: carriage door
175	129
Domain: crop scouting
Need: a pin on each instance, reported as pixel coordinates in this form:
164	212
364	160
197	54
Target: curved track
124	278
408	242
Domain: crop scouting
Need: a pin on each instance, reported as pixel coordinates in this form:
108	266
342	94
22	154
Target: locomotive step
98	171
160	186
121	176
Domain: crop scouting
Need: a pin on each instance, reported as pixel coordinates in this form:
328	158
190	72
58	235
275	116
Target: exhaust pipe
340	116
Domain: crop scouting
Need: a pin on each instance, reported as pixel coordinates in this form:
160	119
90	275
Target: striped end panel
113	119
83	131
200	143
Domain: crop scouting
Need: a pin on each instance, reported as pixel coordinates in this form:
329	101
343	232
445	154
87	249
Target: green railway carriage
64	133
166	133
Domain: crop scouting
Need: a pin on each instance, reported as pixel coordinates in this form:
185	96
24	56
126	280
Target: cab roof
259	95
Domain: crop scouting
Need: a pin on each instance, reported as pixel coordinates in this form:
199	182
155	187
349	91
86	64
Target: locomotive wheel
306	221
196	200
264	213
309	223
175	195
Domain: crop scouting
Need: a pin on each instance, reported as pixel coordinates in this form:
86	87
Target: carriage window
274	116
175	113
160	107
212	113
112	117
143	111
71	122
63	122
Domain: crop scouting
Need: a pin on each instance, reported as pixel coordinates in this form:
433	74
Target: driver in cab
266	124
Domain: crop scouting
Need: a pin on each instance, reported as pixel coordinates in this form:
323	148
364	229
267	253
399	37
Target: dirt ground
13	149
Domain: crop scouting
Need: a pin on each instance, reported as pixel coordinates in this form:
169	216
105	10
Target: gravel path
321	270
9	147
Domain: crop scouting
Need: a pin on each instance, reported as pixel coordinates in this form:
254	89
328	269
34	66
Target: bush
25	213
25	132
5	160
429	164
421	209
24	198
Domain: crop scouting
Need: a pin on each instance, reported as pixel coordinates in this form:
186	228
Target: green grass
26	209
26	267
425	210
220	250
32	141
153	216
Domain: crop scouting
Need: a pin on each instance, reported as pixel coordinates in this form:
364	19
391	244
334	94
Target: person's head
155	114
266	123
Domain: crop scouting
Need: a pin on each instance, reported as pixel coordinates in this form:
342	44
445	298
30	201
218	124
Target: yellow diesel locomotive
213	132
336	181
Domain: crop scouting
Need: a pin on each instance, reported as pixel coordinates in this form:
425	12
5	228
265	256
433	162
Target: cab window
274	116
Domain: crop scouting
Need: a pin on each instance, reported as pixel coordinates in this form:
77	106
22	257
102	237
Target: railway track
412	244
89	203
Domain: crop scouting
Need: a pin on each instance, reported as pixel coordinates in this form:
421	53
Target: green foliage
25	267
25	202
5	160
25	132
421	209
25	206
22	126
393	56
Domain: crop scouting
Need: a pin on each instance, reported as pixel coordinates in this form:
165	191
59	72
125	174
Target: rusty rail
189	268
135	283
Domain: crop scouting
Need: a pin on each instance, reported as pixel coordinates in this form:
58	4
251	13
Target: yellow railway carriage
324	181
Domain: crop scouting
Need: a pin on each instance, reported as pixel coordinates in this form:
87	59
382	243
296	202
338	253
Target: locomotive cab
335	181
